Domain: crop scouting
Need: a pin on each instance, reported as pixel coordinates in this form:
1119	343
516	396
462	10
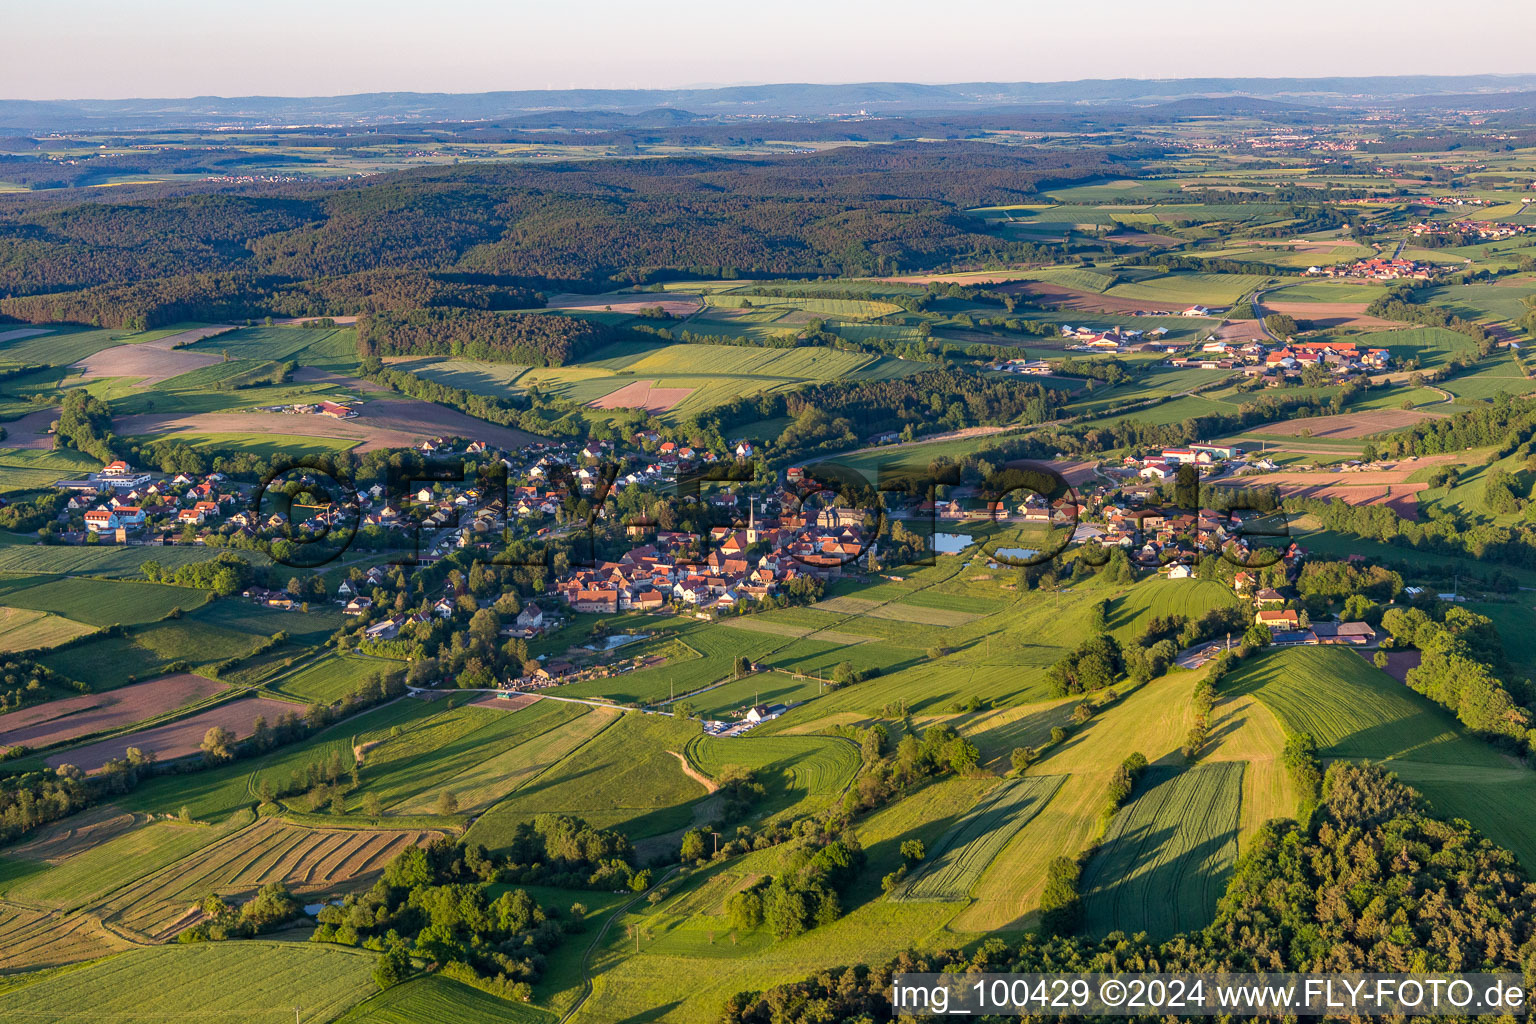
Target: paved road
1258	310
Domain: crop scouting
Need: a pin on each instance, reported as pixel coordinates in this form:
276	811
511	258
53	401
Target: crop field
853	309
804	766
1489	302
217	631
1354	709
1167	855
280	343
105	560
1357	711
33	940
179	738
105	662
267	445
59	346
257	982
306	860
216	794
625	778
1077	279
1161	598
442	1001
1186	288
1152	719
328	679
23	469
955	863
1431	346
73	864
709	374
58	721
763	688
1500	374
26	630
480	753
99	602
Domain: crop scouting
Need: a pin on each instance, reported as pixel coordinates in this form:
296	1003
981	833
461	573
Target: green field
216	794
282	343
1186	288
626	778
61	345
98	602
955	863
1498	301
711	374
328	679
224	629
1354	709
86	874
858	309
1326	291
114	560
442	1001
266	446
1433	347
1162	598
39	468
27	630
474	751
1357	712
795	768
1168	853
260	982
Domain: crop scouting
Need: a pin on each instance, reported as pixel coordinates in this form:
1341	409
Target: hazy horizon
88	49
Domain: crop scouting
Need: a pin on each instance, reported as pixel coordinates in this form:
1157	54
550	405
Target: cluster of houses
1286	360
751	564
120	501
1117	338
1485	230
1378	268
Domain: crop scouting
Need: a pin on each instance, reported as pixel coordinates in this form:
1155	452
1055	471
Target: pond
1017	554
951	543
608	643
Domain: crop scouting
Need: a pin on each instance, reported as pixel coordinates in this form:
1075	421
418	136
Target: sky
95	49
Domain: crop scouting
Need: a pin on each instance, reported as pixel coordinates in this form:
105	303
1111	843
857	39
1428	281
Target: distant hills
663	106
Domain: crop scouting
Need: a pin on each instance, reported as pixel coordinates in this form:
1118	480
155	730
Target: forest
487	236
1457	903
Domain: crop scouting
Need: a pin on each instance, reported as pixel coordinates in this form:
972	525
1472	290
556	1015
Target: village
772	550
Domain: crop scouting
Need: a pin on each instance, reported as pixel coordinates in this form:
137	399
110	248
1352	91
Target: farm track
597	940
709	784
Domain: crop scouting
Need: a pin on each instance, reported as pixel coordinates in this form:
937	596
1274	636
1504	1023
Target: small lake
1019	554
951	543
